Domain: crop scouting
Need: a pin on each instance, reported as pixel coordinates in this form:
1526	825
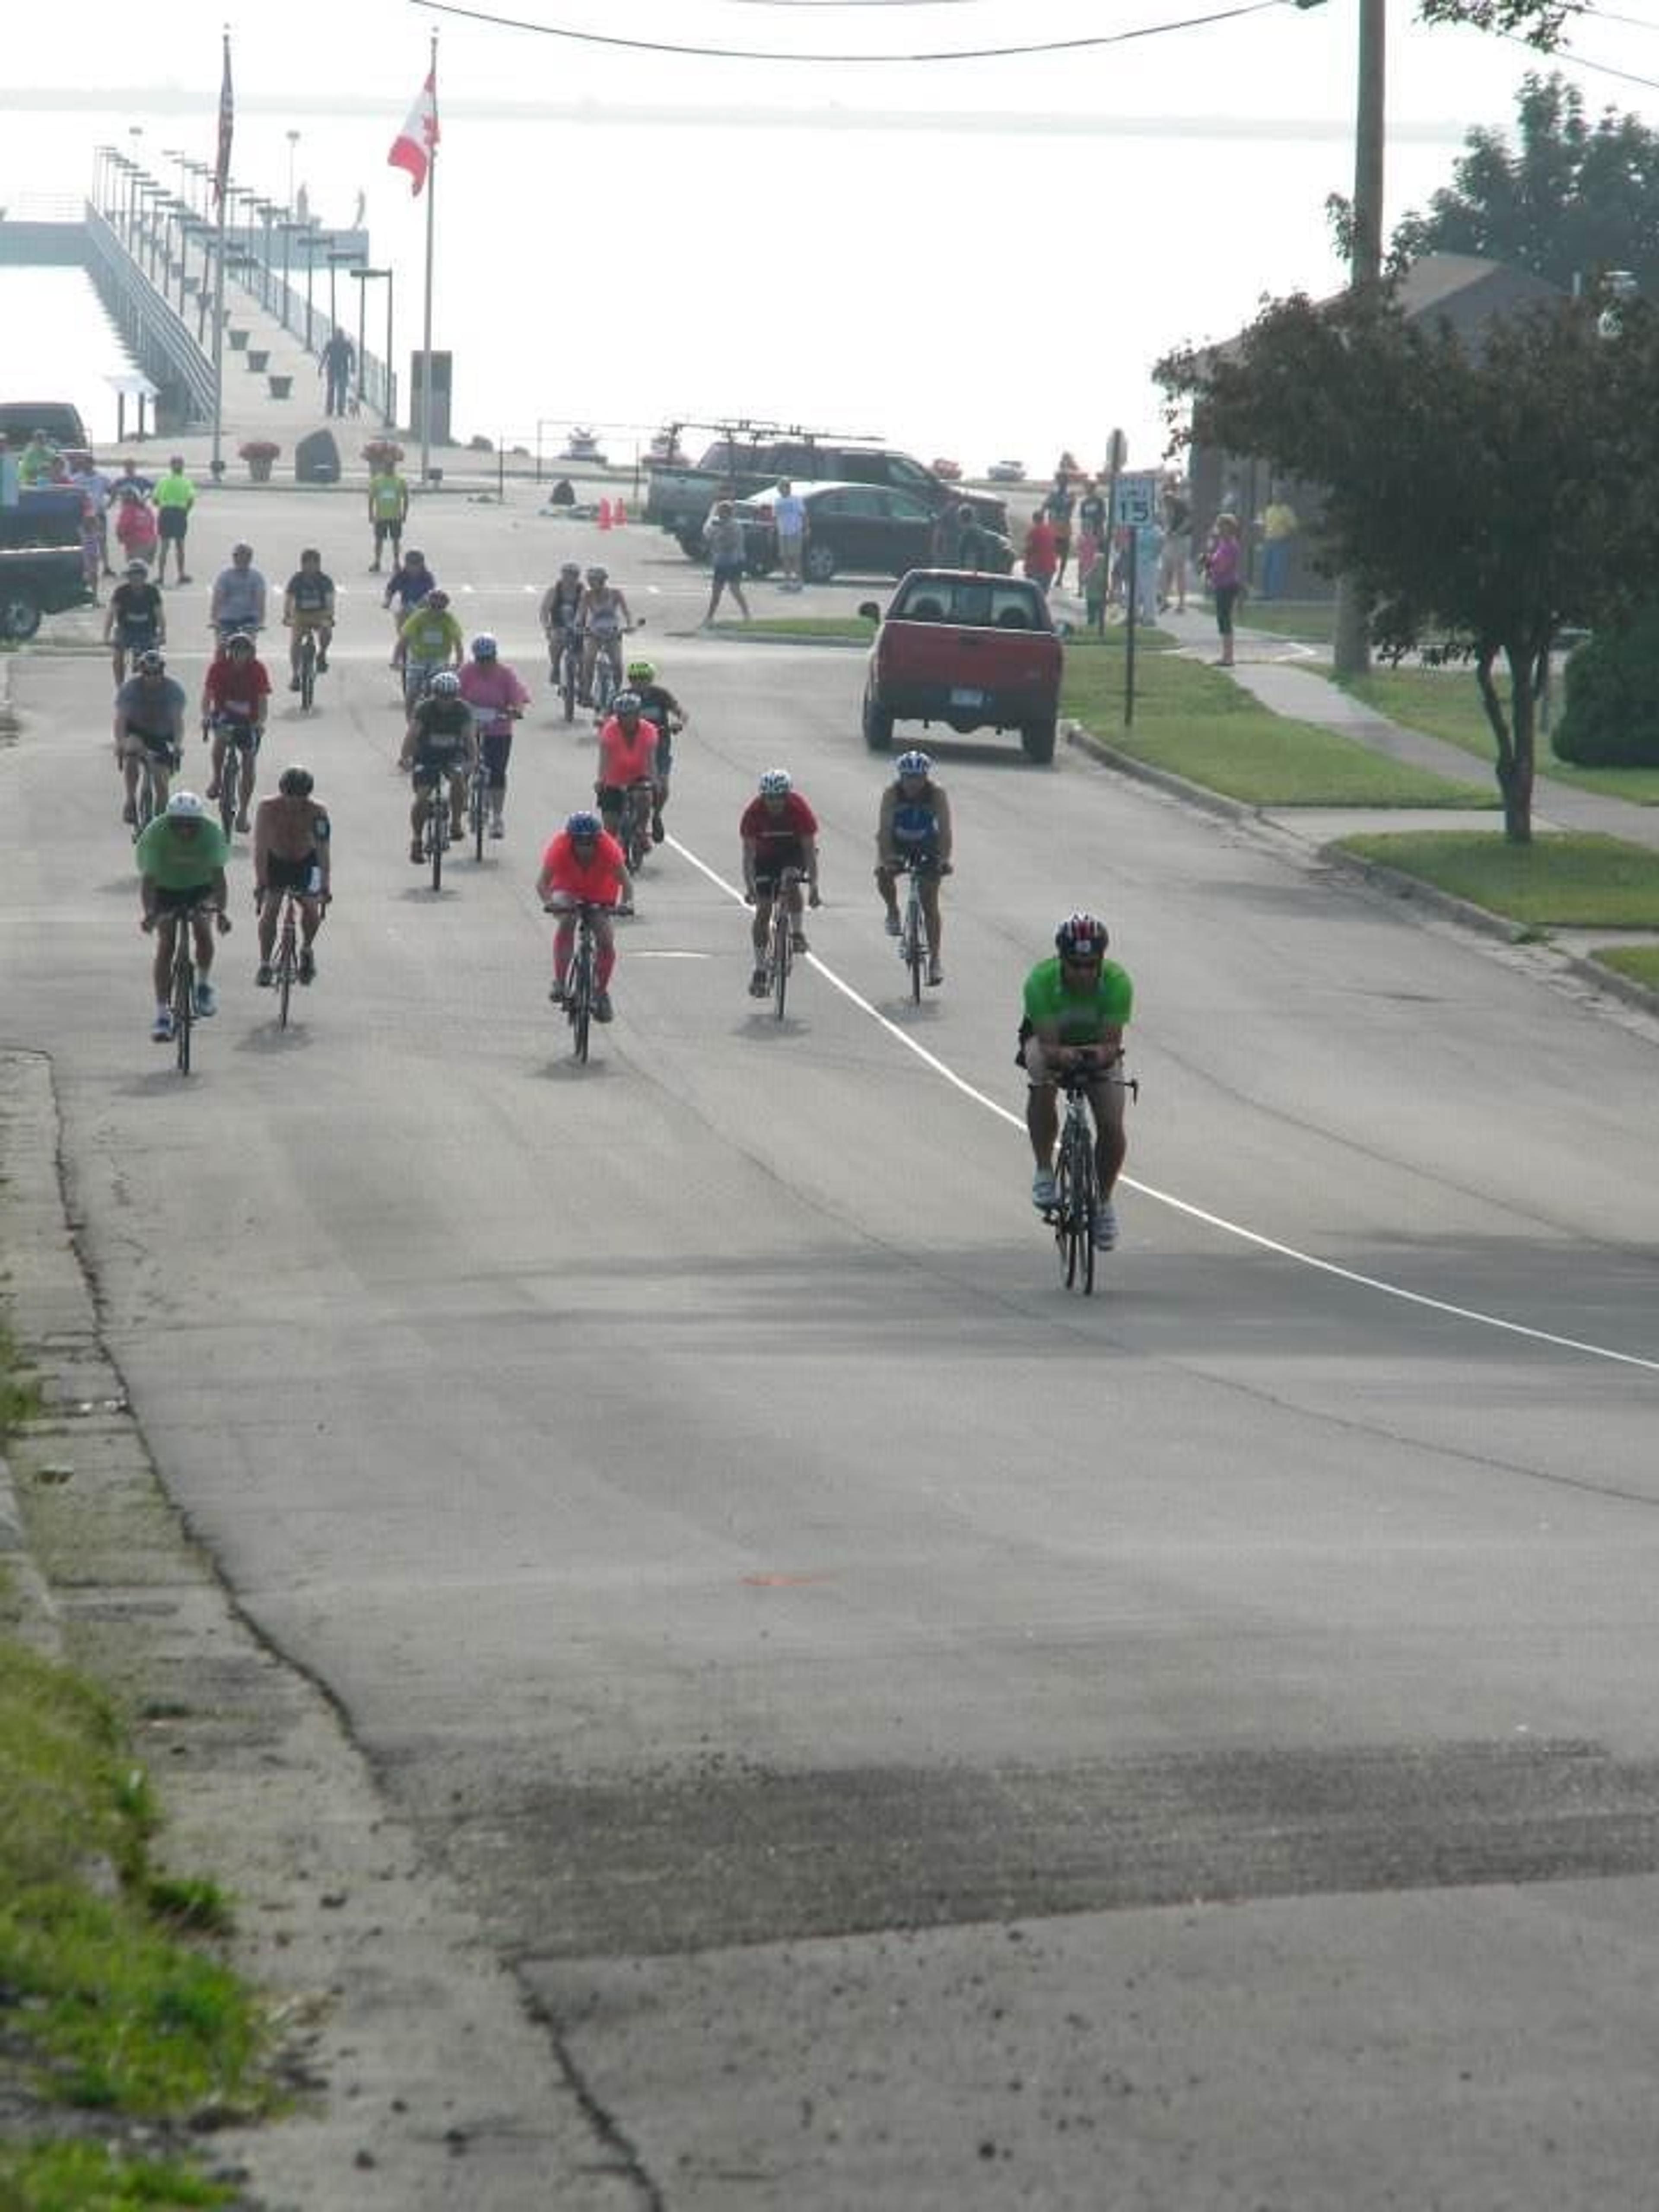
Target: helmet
239	638
414	553
137	568
597	575
485	646
570	568
776	783
642	672
446	683
151	662
626	703
584	824
295	782
1080	937
437	598
914	764
186	806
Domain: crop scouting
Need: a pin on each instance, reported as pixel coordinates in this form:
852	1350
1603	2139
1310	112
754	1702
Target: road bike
1078	1201
606	682
417	676
915	950
146	797
487	722
634	830
568	670
241	744
581	984
182	987
780	946
435	828
307	667
285	962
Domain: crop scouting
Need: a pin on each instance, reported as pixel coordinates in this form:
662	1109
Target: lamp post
363	277
267	209
135	132
292	140
288	226
339	258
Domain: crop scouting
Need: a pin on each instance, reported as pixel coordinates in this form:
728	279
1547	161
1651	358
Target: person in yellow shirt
1278	528
172	499
388	511
431	639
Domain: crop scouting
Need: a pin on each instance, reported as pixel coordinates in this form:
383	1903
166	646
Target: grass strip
1443	702
1563	880
1640	963
826	626
1195	721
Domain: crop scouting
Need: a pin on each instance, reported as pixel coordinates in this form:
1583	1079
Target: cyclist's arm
750	853
411	740
622	609
288	610
545	611
109	624
118	729
942	816
809	848
323	831
886	852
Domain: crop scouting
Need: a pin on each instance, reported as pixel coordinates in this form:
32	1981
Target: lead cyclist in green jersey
1077	1006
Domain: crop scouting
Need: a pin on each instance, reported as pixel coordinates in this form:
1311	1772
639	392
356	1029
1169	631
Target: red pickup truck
973	651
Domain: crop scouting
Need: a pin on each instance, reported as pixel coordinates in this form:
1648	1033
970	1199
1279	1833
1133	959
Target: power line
751	54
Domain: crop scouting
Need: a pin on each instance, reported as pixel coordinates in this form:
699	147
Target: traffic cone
620	517
604	514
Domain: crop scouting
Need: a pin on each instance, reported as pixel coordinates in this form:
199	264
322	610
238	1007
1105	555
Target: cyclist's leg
270	906
793	899
296	631
928	886
456	779
1111	1139
202	931
887	885
161	971
590	657
132	753
1041	1108
325	634
564	938
216	772
760	930
422	783
604	952
250	765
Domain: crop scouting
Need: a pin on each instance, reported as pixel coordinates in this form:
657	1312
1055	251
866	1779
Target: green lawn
1313	621
1444	703
1196	722
1639	962
808	626
1560	881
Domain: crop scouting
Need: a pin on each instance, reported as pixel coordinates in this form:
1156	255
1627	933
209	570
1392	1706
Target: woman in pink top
1224	567
497	699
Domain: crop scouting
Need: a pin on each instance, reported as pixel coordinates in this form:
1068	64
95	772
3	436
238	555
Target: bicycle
182	987
307	667
240	738
606	682
285	967
781	950
435	830
581	981
913	944
1078	1201
417	676
146	798
568	670
634	830
487	722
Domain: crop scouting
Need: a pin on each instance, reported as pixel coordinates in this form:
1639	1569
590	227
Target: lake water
980	294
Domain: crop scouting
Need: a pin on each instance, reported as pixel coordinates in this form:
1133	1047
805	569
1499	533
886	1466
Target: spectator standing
789	521
725	535
1091	530
1040	557
335	364
1279	529
131	481
1177	548
1060	506
175	495
134	527
388	510
1223	570
35	462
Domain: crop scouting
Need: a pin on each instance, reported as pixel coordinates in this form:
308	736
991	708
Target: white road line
1238	1229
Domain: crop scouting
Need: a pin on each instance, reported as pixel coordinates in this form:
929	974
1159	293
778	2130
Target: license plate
965	698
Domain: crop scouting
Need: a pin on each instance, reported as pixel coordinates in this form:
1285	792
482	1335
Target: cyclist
149	718
388	511
658	705
778	831
409	583
430	639
309	603
560	613
1077	1006
234	693
583	866
914	828
137	621
497	698
439	742
290	852
239	596
628	756
602	616
182	861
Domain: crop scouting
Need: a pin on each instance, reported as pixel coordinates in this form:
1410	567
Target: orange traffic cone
604	514
620	516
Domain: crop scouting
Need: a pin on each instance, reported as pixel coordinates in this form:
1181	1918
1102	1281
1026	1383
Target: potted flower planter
257	358
237	340
280	386
259	453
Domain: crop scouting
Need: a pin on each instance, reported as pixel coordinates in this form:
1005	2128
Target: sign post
1134	503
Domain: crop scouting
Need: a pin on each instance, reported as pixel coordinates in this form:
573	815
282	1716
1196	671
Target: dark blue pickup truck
40	561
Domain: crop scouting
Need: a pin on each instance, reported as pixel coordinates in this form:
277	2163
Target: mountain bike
581	984
1078	1201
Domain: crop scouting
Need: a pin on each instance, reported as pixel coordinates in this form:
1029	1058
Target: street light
363	277
342	258
292	140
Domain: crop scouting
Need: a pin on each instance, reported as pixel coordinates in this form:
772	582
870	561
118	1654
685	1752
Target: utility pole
1351	650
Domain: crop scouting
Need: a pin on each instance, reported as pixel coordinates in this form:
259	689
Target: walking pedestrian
725	555
335	364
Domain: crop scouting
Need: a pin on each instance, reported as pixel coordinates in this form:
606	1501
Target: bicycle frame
307	667
581	984
285	968
780	949
182	989
913	931
1078	1197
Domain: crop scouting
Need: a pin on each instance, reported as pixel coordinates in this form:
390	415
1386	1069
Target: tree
1573	200
1481	499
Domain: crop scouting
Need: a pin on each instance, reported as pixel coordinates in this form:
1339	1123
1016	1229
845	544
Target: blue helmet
914	764
485	646
584	823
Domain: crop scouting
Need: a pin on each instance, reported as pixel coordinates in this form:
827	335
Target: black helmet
295	783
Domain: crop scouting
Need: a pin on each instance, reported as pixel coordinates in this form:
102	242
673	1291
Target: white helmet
184	805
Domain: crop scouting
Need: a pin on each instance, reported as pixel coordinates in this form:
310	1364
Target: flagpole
221	181
426	333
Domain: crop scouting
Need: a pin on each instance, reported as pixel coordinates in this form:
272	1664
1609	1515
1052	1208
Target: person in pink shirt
583	866
1041	558
497	699
627	760
134	527
1223	570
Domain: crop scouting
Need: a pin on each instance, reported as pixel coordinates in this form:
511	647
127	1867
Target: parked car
968	650
1007	473
948	472
21	418
871	530
679	499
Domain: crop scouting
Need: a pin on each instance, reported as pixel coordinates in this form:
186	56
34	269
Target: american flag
226	124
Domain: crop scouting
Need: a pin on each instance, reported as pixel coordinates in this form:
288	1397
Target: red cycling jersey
236	686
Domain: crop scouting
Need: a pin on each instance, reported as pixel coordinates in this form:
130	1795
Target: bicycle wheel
914	936
286	965
184	996
229	776
567	684
782	955
144	800
437	832
308	672
478	816
581	1002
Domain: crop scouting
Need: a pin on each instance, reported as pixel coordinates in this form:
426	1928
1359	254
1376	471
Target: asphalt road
929	1739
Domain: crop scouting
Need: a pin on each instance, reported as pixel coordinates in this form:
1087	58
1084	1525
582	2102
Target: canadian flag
416	144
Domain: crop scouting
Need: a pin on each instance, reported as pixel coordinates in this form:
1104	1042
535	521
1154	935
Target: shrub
1611	717
259	449
383	452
